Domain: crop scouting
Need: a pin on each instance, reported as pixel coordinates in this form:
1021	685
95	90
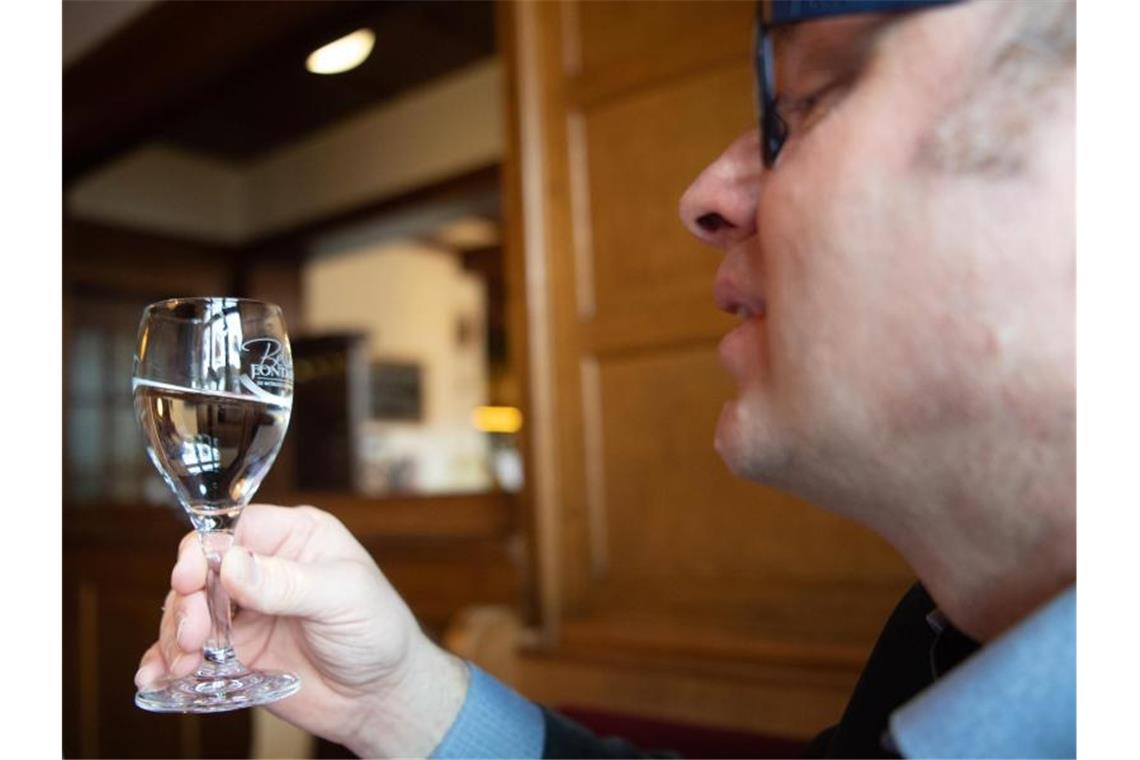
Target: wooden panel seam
571	40
543	393
580	216
592	419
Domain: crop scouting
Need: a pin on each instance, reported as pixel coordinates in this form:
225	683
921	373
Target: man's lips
742	349
738	290
736	300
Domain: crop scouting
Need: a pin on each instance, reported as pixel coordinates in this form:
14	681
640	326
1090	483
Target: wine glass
213	388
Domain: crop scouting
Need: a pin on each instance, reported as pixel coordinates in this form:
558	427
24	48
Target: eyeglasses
775	13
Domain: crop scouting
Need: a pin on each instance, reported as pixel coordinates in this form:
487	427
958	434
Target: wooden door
648	550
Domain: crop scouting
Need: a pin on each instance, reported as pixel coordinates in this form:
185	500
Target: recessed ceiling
228	80
281	102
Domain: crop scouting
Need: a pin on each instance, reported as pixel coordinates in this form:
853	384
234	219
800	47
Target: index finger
277	531
189	573
263	529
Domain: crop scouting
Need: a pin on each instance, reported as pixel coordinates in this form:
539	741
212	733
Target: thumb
271	585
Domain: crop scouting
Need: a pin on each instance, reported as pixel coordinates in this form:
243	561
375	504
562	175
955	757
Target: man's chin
731	441
749	442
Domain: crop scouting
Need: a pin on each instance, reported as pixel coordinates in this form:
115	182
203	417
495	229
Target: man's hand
313	602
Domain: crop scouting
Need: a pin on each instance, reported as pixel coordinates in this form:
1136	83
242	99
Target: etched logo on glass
269	370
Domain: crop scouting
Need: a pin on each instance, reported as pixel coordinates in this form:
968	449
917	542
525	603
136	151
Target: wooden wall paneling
597	558
782	702
516	308
789	699
439	578
570	511
650	552
543	187
131	261
571	521
615	47
627	255
125	624
117	559
554	307
118	597
662	408
581	218
458	516
586	298
443	553
109	273
644	261
612	33
277	282
565	258
524	221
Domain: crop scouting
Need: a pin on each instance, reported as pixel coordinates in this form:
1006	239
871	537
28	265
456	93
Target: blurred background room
504	346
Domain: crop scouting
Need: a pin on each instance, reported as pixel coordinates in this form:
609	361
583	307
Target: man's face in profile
905	270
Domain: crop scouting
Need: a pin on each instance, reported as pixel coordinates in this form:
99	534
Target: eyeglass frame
771	14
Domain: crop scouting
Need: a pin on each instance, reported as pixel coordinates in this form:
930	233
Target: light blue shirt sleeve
495	721
1016	697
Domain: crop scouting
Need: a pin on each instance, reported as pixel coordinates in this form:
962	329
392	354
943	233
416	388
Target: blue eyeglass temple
778	12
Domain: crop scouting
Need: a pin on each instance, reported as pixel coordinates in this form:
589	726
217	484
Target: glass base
218	687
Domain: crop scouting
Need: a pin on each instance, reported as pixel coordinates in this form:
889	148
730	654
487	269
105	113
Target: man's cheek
935	374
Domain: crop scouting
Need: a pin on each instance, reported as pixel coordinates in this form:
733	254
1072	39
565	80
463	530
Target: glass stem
218	650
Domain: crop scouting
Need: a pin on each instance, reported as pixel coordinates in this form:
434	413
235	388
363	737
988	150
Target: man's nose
720	206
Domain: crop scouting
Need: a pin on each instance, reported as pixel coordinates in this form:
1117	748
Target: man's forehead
826	41
807	24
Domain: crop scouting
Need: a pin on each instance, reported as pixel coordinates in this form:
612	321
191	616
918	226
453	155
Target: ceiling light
341	55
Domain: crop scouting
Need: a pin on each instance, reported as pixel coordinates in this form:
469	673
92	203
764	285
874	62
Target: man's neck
987	519
984	584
